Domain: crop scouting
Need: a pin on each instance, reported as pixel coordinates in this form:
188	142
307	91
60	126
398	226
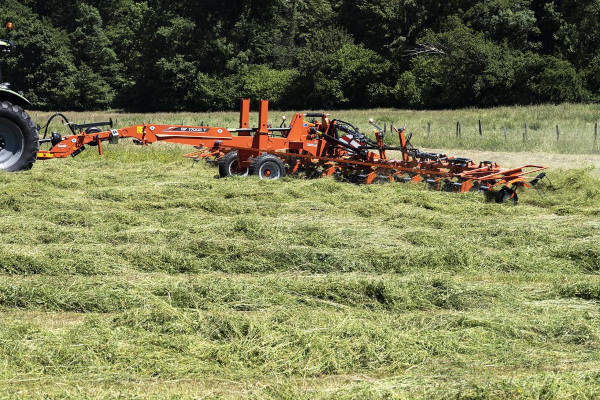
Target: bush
262	82
557	81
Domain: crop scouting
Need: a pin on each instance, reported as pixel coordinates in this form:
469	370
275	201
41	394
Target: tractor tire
228	165
267	166
506	195
19	139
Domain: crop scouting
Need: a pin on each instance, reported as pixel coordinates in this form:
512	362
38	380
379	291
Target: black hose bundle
65	119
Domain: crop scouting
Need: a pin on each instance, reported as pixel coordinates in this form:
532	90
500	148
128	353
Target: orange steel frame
308	144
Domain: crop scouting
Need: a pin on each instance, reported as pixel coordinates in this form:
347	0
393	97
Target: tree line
180	55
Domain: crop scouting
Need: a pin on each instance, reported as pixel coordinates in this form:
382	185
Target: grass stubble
140	275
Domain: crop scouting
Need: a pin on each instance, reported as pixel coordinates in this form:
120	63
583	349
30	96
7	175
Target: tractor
19	137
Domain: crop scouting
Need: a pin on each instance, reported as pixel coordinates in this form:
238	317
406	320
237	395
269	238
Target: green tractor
19	137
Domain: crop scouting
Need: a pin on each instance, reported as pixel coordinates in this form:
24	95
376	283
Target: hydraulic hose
67	122
335	140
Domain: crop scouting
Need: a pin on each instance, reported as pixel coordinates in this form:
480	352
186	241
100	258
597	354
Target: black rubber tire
313	173
228	165
476	187
448	187
93	129
19	139
506	195
267	166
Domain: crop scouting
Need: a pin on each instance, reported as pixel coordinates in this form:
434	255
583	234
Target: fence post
428	129
596	136
525	134
505	137
480	129
384	128
557	133
458	129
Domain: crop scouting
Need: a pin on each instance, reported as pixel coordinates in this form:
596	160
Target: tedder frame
313	143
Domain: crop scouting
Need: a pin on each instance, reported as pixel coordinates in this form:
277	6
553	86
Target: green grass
141	275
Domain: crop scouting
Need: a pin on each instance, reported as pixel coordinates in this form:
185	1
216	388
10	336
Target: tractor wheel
506	195
228	165
267	166
19	139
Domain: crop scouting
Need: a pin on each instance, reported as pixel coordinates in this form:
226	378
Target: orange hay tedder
314	144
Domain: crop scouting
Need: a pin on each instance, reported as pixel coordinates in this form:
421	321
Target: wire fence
579	141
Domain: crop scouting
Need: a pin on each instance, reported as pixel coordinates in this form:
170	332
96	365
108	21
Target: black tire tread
503	196
224	163
30	132
258	161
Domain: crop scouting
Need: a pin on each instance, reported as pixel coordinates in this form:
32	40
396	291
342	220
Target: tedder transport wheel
93	129
506	195
228	165
18	138
267	166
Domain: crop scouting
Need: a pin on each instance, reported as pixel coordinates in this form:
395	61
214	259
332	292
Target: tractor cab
7	46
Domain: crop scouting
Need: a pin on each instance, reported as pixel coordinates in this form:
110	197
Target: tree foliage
187	55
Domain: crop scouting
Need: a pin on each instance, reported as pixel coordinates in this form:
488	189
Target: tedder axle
313	143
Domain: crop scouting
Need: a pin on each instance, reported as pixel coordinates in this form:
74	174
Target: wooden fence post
505	136
557	133
525	134
480	129
428	129
596	136
384	128
458	129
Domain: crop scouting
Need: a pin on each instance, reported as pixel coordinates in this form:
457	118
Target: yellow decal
140	129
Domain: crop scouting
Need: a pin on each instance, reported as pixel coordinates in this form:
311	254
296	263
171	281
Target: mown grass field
141	275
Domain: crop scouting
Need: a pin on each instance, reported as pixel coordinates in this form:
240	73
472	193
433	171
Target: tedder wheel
228	165
18	138
506	195
267	166
448	187
476	187
93	129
